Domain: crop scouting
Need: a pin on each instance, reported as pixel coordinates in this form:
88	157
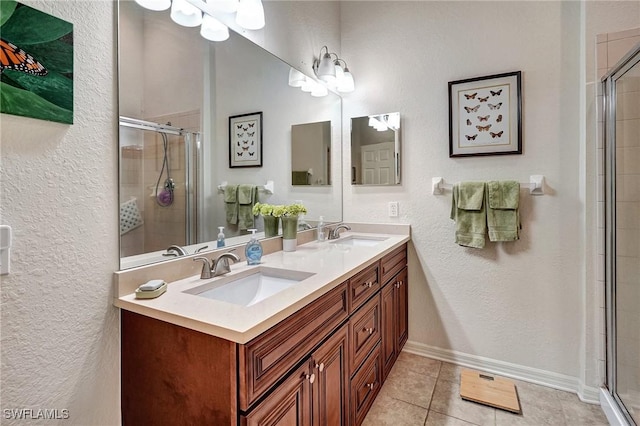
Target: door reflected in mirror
375	149
311	154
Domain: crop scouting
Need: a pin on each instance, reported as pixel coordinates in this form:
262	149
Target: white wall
59	193
520	302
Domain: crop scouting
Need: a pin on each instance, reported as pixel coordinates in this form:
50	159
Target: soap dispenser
253	250
220	236
320	235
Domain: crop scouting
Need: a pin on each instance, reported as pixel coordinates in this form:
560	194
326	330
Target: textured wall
59	193
514	302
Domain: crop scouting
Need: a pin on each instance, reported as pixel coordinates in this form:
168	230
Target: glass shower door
623	225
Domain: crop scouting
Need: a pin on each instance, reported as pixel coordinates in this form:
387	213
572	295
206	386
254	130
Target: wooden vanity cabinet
315	394
321	366
394	308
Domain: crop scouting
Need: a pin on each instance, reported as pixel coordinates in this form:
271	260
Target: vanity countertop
330	263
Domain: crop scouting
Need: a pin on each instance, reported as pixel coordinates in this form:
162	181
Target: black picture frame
245	140
485	115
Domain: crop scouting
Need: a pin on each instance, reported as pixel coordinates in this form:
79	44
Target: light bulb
326	70
346	84
250	14
296	78
185	14
156	5
212	29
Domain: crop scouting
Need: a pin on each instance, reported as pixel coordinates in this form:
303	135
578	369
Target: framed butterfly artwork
485	115
245	140
36	64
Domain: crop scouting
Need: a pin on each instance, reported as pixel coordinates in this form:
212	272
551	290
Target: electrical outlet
393	209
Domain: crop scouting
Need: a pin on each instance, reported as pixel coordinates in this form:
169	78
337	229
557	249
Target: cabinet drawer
365	385
362	286
393	263
364	329
271	355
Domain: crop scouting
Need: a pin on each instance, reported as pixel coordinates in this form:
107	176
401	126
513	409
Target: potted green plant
271	216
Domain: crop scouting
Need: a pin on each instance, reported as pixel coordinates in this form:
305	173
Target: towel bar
535	185
267	188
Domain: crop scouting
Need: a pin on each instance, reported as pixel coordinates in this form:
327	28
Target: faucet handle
206	267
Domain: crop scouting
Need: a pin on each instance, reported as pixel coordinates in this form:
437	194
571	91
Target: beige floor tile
418	364
387	411
450	372
577	412
437	419
407	386
446	400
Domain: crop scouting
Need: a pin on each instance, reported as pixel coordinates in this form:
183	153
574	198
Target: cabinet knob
311	377
371	385
367	284
320	366
368	330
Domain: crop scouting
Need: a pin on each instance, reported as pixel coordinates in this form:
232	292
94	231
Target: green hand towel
247	197
299	178
503	214
231	203
468	211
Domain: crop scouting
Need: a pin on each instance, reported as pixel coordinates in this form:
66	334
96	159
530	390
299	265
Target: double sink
257	284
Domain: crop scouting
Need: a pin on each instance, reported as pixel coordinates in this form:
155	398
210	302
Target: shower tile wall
610	49
165	226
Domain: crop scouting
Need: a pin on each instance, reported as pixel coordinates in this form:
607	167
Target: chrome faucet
335	232
218	266
175	251
221	263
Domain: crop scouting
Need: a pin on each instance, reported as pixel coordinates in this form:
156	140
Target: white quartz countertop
330	262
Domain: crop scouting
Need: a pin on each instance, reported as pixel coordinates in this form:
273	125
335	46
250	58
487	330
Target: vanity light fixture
328	68
191	13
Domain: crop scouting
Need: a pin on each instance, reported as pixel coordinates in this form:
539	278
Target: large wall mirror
177	92
375	149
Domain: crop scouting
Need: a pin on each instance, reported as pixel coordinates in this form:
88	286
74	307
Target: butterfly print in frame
245	139
489	108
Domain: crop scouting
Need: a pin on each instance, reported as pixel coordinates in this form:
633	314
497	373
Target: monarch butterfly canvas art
36	64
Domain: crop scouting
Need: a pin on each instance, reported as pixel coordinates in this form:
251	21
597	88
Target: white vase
289	244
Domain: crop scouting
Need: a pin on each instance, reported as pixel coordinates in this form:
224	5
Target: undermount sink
251	286
359	241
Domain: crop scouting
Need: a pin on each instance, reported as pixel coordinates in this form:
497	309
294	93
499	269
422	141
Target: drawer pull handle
369	330
311	377
320	366
367	284
371	385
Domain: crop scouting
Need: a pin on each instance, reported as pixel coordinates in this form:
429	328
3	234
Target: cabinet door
388	336
288	405
330	390
402	310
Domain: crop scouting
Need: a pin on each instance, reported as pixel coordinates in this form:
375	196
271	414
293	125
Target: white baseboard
563	382
611	410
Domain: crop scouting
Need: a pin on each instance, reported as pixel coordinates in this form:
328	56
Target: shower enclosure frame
608	82
192	142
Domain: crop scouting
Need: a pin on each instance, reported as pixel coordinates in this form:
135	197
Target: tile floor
422	391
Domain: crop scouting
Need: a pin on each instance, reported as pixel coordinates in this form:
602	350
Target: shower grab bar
267	188
535	185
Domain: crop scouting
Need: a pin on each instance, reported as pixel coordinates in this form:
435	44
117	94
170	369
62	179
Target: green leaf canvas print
36	64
